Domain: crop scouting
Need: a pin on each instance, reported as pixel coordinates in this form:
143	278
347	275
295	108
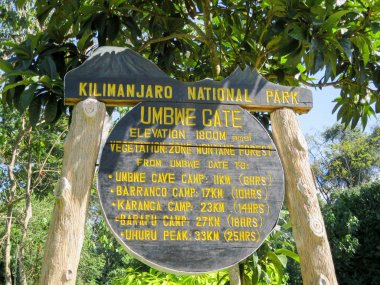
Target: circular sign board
190	188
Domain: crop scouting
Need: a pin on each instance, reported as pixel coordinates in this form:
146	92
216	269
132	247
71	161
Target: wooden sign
121	77
190	188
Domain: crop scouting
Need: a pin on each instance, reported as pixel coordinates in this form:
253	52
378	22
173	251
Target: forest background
288	42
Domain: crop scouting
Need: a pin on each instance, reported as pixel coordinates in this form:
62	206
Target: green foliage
345	158
16	18
269	265
36	238
37	234
352	222
287	41
131	276
92	262
42	149
102	257
35	81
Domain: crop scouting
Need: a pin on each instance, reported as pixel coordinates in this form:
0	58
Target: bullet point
112	191
113	204
122	234
110	176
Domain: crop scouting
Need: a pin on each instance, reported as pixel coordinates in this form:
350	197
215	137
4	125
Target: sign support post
67	227
301	198
235	275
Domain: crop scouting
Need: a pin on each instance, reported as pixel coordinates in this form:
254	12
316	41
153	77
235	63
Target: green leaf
256	272
347	48
27	95
113	27
19	83
48	67
297	33
315	3
133	27
84	39
289	46
43	12
98	24
355	119
331	55
319	62
341	112
333	20
5	66
370	111
377	106
274	42
361	43
288	253
20	3
22	73
336	106
7	98
278	260
346	119
117	2
364	120
35	111
22	52
51	109
327	75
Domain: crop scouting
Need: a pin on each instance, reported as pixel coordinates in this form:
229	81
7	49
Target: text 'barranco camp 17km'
189	181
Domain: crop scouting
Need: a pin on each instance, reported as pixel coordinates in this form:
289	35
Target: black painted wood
190	188
121	77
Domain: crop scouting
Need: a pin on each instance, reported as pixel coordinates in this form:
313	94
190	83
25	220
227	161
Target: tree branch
12	178
39	180
323	84
186	21
258	63
334	83
12	203
215	62
172	36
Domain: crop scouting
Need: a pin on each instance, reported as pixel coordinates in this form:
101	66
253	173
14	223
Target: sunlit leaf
333	20
14	85
289	253
5	66
361	43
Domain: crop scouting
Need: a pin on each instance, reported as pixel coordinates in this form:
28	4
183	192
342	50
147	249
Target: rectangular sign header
121	77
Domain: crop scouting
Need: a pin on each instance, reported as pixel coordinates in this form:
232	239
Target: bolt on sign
189	181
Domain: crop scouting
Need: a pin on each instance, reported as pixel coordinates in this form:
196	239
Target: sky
320	117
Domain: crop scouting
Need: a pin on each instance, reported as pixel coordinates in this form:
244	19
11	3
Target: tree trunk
7	245
301	197
214	55
11	195
67	227
27	216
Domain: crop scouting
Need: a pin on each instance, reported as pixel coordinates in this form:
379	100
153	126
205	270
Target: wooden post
235	276
301	197
67	227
